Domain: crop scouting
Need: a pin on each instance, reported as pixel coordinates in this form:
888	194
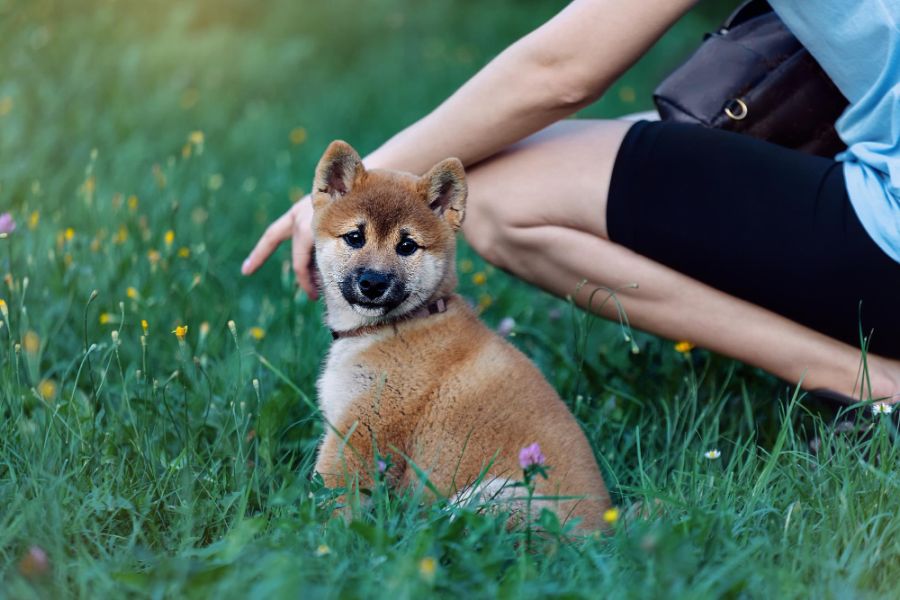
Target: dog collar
438	306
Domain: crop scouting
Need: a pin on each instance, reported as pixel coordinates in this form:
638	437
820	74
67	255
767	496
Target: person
786	261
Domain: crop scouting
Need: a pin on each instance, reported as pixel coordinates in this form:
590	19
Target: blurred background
121	121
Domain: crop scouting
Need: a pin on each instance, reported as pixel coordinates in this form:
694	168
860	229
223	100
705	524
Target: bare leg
539	210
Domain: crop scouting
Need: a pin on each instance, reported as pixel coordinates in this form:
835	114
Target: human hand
296	223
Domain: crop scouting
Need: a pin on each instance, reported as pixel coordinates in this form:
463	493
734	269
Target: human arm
549	74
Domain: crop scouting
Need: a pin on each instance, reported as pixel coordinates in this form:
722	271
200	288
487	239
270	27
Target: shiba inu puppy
413	375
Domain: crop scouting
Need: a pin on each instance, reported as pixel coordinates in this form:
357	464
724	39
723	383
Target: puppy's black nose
373	284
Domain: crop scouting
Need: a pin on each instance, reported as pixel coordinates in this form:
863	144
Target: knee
491	228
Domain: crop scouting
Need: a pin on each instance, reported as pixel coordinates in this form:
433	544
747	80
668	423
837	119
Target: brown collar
438	306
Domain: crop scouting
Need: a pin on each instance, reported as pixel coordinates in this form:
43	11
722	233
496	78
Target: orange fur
442	391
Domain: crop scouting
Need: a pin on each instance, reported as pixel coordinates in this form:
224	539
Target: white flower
882	408
712	454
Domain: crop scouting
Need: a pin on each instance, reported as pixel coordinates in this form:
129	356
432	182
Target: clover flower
35	563
506	326
7	223
531	456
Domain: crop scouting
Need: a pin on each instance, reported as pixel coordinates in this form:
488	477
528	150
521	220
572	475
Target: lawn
143	149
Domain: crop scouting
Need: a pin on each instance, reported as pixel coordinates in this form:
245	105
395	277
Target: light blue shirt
857	42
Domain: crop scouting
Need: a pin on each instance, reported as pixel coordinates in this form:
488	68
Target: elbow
572	95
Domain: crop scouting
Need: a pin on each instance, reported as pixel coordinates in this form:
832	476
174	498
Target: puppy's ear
445	189
336	173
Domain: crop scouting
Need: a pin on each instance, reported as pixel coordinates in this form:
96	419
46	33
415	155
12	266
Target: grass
160	468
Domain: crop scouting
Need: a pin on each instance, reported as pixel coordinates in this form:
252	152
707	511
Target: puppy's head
385	241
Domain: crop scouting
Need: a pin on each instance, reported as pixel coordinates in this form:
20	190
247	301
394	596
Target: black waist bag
753	76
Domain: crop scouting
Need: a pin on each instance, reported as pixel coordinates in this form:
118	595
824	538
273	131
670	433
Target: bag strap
743	13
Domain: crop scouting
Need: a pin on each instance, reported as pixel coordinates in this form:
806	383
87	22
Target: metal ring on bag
736	109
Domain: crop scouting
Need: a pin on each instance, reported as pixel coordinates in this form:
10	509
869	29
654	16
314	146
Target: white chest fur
344	377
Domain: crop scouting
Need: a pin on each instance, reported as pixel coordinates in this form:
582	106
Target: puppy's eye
355	239
406	247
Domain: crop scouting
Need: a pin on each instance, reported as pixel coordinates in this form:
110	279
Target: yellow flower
144	325
466	265
611	515
485	301
180	332
323	550
184	252
121	235
186	151
189	98
627	94
95	245
105	318
32	342
684	347
257	333
4	309
34	219
69	233
196	138
215	181
159	176
47	389
153	256
132	293
169	237
132	203
427	567
298	135
479	278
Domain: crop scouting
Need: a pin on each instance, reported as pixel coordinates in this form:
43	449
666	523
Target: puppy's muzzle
371	289
373	284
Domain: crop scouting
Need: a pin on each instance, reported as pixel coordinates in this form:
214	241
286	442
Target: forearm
549	74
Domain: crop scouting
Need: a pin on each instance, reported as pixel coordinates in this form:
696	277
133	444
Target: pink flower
506	326
7	223
35	563
530	456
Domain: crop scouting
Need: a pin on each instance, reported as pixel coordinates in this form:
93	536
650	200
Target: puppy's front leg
348	464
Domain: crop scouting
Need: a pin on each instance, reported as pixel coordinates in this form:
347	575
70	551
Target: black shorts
770	225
